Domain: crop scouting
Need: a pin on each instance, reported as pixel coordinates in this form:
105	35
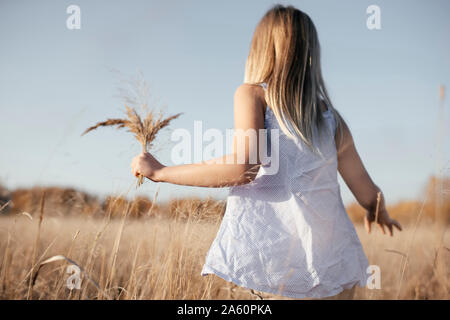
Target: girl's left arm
229	170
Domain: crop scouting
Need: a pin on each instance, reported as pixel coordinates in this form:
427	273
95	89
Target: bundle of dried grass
144	130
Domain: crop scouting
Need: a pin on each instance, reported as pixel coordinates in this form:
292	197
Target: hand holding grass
147	166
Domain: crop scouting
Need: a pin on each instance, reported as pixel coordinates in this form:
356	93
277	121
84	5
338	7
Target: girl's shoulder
251	88
251	92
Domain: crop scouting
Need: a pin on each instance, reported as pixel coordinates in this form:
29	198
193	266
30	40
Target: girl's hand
146	165
383	219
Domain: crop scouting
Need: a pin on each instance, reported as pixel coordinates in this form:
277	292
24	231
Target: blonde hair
285	54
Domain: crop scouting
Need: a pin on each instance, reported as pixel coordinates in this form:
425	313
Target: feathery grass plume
120	123
145	131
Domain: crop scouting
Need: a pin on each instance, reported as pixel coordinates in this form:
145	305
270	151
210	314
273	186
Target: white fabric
289	233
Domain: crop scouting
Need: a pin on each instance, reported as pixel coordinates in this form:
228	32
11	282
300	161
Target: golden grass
145	131
137	249
161	258
145	128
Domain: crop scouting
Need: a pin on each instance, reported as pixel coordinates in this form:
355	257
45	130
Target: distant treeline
68	202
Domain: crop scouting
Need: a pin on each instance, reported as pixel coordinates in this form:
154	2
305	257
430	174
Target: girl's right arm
356	177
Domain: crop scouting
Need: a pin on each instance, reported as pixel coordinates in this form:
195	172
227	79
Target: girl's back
288	233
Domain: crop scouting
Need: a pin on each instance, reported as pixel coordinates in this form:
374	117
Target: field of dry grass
158	258
140	250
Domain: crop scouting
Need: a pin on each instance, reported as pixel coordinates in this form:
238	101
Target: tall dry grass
143	250
161	258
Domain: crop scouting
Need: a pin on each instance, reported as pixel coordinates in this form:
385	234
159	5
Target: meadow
142	249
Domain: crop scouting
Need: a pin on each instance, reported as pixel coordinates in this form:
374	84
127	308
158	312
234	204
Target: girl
287	232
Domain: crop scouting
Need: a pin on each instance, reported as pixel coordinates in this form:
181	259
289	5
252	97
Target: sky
56	82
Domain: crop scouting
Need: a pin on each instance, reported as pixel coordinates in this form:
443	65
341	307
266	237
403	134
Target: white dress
288	233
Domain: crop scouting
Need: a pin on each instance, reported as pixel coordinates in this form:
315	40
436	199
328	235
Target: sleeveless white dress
288	233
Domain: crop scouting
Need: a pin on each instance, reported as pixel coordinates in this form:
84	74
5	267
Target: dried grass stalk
144	130
120	123
61	257
5	205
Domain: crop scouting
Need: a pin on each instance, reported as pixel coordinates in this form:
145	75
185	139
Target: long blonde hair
285	54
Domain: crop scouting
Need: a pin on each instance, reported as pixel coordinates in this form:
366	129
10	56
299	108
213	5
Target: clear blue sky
55	82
